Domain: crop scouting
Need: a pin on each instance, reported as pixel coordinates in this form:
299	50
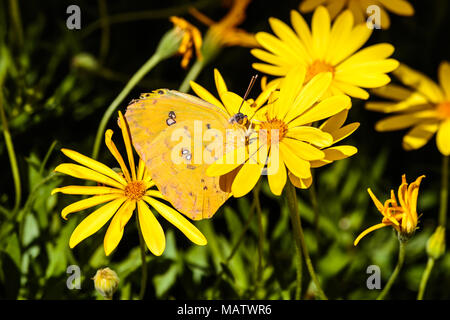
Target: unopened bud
106	282
85	61
436	243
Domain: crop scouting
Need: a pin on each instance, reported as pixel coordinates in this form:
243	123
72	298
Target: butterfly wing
166	130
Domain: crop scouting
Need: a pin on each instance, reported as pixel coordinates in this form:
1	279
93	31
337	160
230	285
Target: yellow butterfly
156	121
178	136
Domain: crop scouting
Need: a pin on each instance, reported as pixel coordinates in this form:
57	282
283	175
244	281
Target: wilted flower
402	215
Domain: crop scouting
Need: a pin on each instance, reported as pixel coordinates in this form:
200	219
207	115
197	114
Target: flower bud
106	282
436	243
85	61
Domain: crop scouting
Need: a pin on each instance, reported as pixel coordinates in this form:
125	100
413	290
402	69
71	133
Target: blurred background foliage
57	83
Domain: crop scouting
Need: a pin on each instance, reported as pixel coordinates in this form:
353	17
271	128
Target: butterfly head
239	118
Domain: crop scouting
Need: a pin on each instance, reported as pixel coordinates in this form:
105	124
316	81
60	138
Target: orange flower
191	40
402	216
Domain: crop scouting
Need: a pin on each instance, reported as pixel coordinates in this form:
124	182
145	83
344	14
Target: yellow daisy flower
191	40
424	107
326	49
298	143
359	8
402	216
121	194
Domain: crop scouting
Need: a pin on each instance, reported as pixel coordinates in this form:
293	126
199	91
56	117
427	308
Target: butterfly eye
172	115
160	91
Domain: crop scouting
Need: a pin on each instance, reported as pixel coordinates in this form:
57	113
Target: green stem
256	190
12	156
315	207
144	262
299	236
47	156
401	260
153	61
425	276
16	22
444	192
192	75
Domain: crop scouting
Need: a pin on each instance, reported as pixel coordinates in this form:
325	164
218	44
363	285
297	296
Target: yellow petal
86	190
415	102
81	172
206	95
220	83
404	120
365	232
270	58
94	165
377	52
313	135
310	94
154	194
93	222
393	92
286	35
232	102
127	142
272	70
419	135
365	80
301	28
324	109
356	39
344	132
115	230
375	200
289	89
339	33
443	138
309	5
444	78
351	90
304	150
334	7
334	154
116	154
420	82
277	47
87	203
400	7
320	27
334	122
295	164
304	183
151	230
178	221
249	174
276	173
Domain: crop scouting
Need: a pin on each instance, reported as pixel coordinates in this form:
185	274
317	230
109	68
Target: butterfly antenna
249	88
